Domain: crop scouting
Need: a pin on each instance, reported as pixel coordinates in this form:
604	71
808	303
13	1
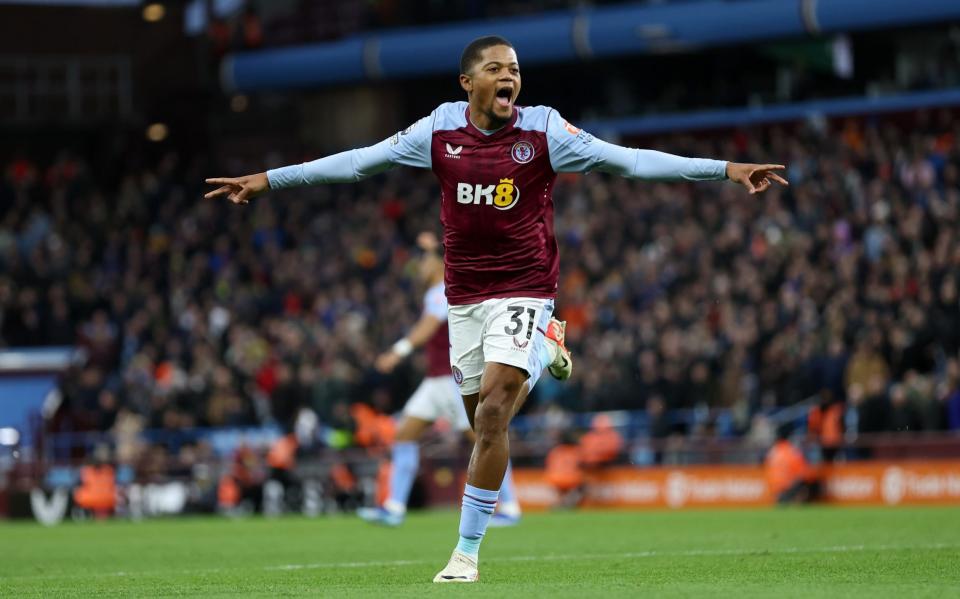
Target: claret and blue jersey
496	186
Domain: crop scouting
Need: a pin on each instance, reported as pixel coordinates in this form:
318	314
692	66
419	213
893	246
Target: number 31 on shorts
516	325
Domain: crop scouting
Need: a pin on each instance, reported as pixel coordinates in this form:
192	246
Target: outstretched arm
410	147
573	150
660	166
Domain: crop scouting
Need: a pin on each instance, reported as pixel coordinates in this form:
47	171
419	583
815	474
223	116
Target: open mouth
504	96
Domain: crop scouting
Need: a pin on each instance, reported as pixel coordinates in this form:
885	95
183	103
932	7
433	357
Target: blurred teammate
436	397
497	165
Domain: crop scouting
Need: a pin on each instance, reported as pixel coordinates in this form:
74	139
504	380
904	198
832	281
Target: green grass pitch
812	552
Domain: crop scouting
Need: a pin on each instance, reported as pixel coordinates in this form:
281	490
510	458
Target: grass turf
814	552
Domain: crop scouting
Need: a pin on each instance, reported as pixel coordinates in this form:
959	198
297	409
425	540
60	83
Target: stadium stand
846	283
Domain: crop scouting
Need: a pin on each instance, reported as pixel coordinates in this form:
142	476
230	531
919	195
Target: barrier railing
891	469
527	430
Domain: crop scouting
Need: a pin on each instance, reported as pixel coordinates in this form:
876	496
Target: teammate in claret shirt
496	163
436	397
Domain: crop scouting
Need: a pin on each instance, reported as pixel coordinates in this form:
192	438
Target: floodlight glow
9	436
153	12
157	132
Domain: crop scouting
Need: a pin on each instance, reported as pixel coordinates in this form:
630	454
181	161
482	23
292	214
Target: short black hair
471	54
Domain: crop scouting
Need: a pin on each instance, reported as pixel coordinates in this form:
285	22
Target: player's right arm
410	147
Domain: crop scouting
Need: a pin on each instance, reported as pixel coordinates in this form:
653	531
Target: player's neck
486	122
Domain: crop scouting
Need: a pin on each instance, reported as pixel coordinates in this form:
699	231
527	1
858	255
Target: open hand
239	190
755	177
387	361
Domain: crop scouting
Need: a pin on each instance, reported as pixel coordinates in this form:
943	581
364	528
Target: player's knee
493	416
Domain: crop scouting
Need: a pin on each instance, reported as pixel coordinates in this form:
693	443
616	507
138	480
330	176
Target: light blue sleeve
435	302
573	150
410	147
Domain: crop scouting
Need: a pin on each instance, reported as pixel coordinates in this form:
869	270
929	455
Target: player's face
493	85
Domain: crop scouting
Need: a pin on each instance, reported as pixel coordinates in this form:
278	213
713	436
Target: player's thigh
424	403
466	347
452	405
411	428
513	333
502	382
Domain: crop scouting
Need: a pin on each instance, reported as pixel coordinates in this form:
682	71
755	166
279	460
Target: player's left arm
575	150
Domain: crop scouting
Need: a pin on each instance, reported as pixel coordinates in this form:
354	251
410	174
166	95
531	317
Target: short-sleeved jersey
496	190
437	348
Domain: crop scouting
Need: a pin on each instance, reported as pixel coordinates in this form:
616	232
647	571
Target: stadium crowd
677	296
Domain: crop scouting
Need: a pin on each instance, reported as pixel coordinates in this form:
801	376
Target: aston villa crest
522	152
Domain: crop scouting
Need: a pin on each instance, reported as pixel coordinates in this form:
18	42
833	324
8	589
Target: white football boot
460	568
507	514
500	520
380	515
562	366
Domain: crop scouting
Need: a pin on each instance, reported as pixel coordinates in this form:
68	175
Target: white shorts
504	330
437	397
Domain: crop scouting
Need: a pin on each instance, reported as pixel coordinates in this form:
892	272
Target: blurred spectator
903	412
564	471
789	476
866	363
97	492
282	461
282	456
600	445
346	491
243	483
825	424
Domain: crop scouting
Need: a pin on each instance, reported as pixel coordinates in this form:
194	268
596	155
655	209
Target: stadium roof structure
726	118
567	36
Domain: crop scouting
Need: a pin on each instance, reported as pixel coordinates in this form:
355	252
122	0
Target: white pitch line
398	562
632	554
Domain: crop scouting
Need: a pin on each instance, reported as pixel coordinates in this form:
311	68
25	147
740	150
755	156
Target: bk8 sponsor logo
502	196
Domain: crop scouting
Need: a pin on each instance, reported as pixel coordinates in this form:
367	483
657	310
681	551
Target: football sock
405	459
508	504
478	506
